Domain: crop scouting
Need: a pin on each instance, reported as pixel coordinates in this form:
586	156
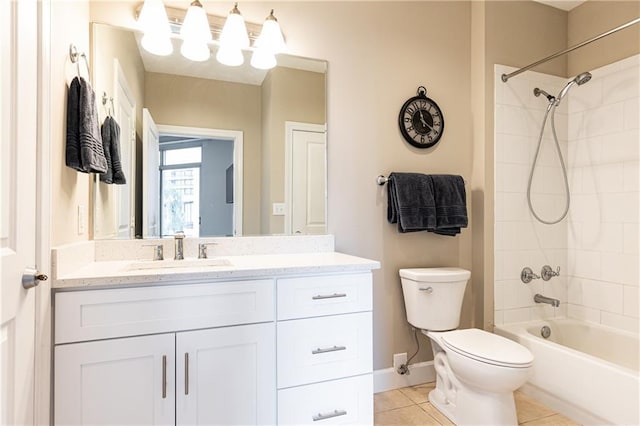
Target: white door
128	381
226	376
150	176
18	125
125	115
306	172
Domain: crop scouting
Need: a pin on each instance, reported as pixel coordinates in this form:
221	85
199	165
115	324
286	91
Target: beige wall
214	104
287	95
596	17
69	188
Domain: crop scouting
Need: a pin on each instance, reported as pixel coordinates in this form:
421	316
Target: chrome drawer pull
335	413
164	376
329	296
186	373
325	350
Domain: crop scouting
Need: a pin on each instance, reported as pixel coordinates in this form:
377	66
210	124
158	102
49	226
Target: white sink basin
173	264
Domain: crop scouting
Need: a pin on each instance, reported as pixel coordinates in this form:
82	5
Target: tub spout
538	298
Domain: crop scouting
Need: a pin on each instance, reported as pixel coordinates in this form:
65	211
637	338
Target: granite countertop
135	272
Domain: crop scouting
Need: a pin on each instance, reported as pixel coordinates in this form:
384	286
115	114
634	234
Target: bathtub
585	371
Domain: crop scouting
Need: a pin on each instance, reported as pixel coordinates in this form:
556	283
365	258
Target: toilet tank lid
435	274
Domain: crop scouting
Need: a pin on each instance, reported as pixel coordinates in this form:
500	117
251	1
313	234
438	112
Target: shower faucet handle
548	273
527	275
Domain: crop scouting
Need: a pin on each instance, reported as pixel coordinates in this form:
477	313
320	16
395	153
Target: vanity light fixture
195	27
155	26
196	33
269	43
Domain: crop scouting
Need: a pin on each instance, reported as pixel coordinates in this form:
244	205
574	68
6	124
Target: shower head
580	79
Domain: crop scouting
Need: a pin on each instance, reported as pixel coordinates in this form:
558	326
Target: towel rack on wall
381	180
75	57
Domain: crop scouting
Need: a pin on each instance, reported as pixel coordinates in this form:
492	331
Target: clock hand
424	123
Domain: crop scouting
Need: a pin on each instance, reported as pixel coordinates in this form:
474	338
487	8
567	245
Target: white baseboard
388	379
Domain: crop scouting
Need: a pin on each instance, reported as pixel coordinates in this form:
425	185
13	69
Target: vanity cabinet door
226	376
116	382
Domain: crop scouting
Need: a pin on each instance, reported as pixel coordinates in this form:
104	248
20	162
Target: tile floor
410	406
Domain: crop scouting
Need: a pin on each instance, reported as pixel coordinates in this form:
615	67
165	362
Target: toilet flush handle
428	290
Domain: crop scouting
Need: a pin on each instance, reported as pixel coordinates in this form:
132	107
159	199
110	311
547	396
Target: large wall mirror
208	149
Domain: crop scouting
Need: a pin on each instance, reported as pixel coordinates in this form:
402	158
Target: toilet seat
487	347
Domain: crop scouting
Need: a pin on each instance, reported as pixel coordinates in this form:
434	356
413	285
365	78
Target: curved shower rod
506	77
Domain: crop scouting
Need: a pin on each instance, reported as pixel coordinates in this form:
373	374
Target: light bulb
195	51
157	44
271	36
263	59
155	25
234	33
195	27
230	56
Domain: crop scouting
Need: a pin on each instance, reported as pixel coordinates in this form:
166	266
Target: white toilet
476	371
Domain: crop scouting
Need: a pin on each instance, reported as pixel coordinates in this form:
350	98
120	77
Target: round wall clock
421	121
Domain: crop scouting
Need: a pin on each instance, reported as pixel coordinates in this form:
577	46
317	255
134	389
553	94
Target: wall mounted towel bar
381	180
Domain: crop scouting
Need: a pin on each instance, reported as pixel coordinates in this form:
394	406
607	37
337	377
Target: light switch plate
278	209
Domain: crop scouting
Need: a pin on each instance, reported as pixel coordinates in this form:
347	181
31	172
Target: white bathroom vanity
252	339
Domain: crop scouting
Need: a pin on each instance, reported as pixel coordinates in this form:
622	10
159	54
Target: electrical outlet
398	360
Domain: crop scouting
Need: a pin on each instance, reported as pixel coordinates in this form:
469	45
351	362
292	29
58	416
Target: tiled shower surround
596	245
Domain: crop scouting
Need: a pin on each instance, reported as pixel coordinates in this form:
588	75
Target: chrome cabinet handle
334	413
329	296
164	376
325	350
186	373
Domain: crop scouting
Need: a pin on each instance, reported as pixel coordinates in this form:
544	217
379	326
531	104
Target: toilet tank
433	296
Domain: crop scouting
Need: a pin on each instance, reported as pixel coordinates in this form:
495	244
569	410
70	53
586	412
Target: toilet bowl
476	371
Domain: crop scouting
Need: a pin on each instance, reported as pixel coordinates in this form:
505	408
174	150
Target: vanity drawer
338	402
316	349
305	297
101	314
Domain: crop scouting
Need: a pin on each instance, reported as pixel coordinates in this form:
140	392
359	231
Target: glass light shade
195	51
157	44
195	27
154	23
234	33
263	59
271	36
230	56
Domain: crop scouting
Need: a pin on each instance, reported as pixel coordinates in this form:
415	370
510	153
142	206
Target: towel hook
106	99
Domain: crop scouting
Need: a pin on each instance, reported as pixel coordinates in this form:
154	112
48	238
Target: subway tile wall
596	246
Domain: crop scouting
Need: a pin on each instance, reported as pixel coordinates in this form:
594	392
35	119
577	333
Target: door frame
43	311
237	136
289	128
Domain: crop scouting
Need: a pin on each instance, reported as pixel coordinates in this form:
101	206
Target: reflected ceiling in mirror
281	114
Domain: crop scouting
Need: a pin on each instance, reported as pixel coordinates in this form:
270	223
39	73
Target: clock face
421	122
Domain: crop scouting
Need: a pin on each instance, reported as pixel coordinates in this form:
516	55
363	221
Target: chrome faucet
538	298
179	243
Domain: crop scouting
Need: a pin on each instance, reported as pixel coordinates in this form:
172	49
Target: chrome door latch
31	278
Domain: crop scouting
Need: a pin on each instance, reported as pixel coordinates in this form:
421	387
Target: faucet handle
158	251
548	273
527	275
202	249
179	235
